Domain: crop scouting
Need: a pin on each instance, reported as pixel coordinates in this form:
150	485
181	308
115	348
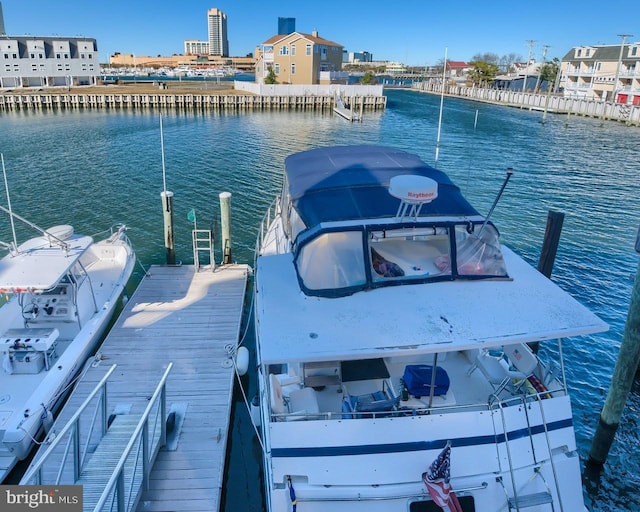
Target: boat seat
522	358
496	370
378	402
287	397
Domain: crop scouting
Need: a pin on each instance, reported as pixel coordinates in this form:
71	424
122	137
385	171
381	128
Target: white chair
286	396
497	369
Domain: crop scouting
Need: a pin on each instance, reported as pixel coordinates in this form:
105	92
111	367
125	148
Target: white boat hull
28	396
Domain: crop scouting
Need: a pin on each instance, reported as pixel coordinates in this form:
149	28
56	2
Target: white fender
242	360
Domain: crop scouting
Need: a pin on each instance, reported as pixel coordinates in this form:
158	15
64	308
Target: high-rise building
2	31
286	26
218	42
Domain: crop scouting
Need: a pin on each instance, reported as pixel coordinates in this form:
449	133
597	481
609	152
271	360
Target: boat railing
494	402
34	475
272	212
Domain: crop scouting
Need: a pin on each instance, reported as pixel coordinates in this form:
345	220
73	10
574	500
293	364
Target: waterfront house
603	72
299	58
28	61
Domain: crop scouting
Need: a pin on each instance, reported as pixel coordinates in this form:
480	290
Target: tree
271	77
368	78
549	71
483	72
507	61
488	57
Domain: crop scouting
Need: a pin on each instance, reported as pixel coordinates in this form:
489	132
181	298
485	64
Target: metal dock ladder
115	474
519	501
202	241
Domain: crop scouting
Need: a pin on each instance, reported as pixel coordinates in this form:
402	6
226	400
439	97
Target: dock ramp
112	458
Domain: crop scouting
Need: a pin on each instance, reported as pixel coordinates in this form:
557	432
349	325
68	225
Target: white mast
6	187
444	77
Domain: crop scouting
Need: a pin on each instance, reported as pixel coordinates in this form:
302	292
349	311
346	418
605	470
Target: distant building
28	61
457	68
396	68
195	47
218	42
286	26
299	58
246	64
357	57
600	72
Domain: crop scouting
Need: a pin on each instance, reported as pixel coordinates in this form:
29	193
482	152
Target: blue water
94	168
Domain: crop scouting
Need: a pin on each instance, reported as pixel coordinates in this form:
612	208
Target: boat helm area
342	260
410	385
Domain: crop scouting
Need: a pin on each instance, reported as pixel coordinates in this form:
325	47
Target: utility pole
544	56
615	82
530	42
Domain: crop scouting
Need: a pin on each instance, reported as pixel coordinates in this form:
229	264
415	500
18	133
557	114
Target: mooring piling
225	221
622	380
167	213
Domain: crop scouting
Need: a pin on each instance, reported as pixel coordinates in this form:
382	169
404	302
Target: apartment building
608	73
195	47
299	58
217	24
28	61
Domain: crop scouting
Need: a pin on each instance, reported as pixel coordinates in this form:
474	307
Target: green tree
549	71
483	72
368	78
271	77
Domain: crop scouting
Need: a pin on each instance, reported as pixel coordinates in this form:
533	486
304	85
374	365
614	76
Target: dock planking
186	317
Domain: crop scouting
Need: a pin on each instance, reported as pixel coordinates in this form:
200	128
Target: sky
414	32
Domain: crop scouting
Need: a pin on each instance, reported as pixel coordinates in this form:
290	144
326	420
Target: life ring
275	395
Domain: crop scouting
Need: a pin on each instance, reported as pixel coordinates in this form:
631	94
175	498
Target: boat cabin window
340	263
409	253
478	253
332	261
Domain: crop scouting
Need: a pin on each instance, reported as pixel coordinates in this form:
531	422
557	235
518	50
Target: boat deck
187	318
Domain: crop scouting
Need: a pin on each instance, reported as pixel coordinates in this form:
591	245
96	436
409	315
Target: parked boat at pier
62	291
392	332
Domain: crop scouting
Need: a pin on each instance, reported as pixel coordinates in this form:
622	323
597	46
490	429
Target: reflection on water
95	168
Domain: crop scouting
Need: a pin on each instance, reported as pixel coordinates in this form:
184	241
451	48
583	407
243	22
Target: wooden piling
549	251
621	382
550	243
225	222
167	213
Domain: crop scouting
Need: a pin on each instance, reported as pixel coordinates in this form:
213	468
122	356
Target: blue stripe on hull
334	451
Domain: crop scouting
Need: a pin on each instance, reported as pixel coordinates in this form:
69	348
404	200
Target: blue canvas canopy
351	182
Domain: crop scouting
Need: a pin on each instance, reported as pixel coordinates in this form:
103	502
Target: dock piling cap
413	189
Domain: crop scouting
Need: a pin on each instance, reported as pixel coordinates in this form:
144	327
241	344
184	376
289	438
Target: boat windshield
338	263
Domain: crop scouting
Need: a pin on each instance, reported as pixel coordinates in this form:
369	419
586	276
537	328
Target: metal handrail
117	477
36	470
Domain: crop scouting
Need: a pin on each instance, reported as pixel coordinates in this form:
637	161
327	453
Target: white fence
308	90
629	114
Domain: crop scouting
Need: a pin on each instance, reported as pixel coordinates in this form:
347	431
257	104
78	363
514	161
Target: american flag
437	480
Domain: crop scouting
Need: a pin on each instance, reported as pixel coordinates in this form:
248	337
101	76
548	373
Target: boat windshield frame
340	260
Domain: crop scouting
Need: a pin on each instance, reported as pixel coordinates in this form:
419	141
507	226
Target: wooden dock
204	102
189	318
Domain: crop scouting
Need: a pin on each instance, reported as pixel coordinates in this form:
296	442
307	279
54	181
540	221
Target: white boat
62	291
392	332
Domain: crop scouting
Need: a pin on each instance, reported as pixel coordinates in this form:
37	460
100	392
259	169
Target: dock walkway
187	318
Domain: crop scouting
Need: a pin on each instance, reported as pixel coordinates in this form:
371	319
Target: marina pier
234	102
188	322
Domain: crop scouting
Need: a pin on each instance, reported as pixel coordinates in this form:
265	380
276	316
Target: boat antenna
495	202
6	188
164	174
444	75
